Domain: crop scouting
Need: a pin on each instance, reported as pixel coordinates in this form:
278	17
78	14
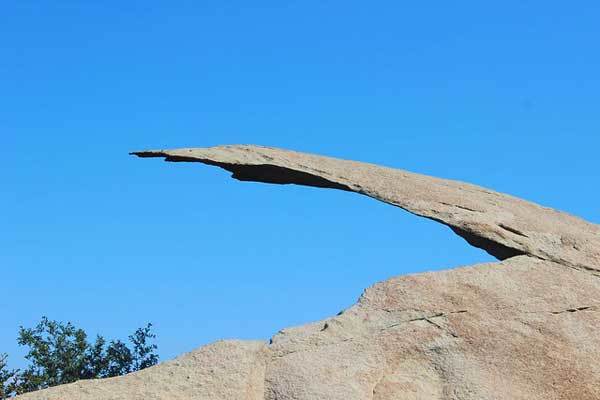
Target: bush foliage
60	353
7	378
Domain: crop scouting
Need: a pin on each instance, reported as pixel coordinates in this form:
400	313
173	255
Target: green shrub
60	353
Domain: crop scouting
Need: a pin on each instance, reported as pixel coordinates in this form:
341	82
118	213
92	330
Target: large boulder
527	327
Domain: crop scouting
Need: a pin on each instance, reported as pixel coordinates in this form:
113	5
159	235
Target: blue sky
505	95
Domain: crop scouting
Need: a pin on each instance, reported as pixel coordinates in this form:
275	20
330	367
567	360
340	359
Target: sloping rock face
527	327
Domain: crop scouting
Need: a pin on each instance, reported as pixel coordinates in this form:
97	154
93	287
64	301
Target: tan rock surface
502	225
524	328
222	370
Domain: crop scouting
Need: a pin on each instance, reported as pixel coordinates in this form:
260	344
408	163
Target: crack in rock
574	310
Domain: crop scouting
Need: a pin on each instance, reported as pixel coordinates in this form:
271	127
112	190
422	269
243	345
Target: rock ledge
527	327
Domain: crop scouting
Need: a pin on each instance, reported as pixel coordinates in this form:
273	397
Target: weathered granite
527	327
502	225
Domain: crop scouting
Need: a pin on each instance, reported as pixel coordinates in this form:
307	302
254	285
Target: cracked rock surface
527	327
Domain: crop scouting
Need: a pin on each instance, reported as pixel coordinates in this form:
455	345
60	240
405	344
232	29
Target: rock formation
527	327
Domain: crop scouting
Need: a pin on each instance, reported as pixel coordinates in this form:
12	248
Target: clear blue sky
502	94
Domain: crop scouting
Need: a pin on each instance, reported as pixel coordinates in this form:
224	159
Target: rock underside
527	327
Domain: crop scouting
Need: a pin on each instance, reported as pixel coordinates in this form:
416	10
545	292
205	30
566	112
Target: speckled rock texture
527	327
